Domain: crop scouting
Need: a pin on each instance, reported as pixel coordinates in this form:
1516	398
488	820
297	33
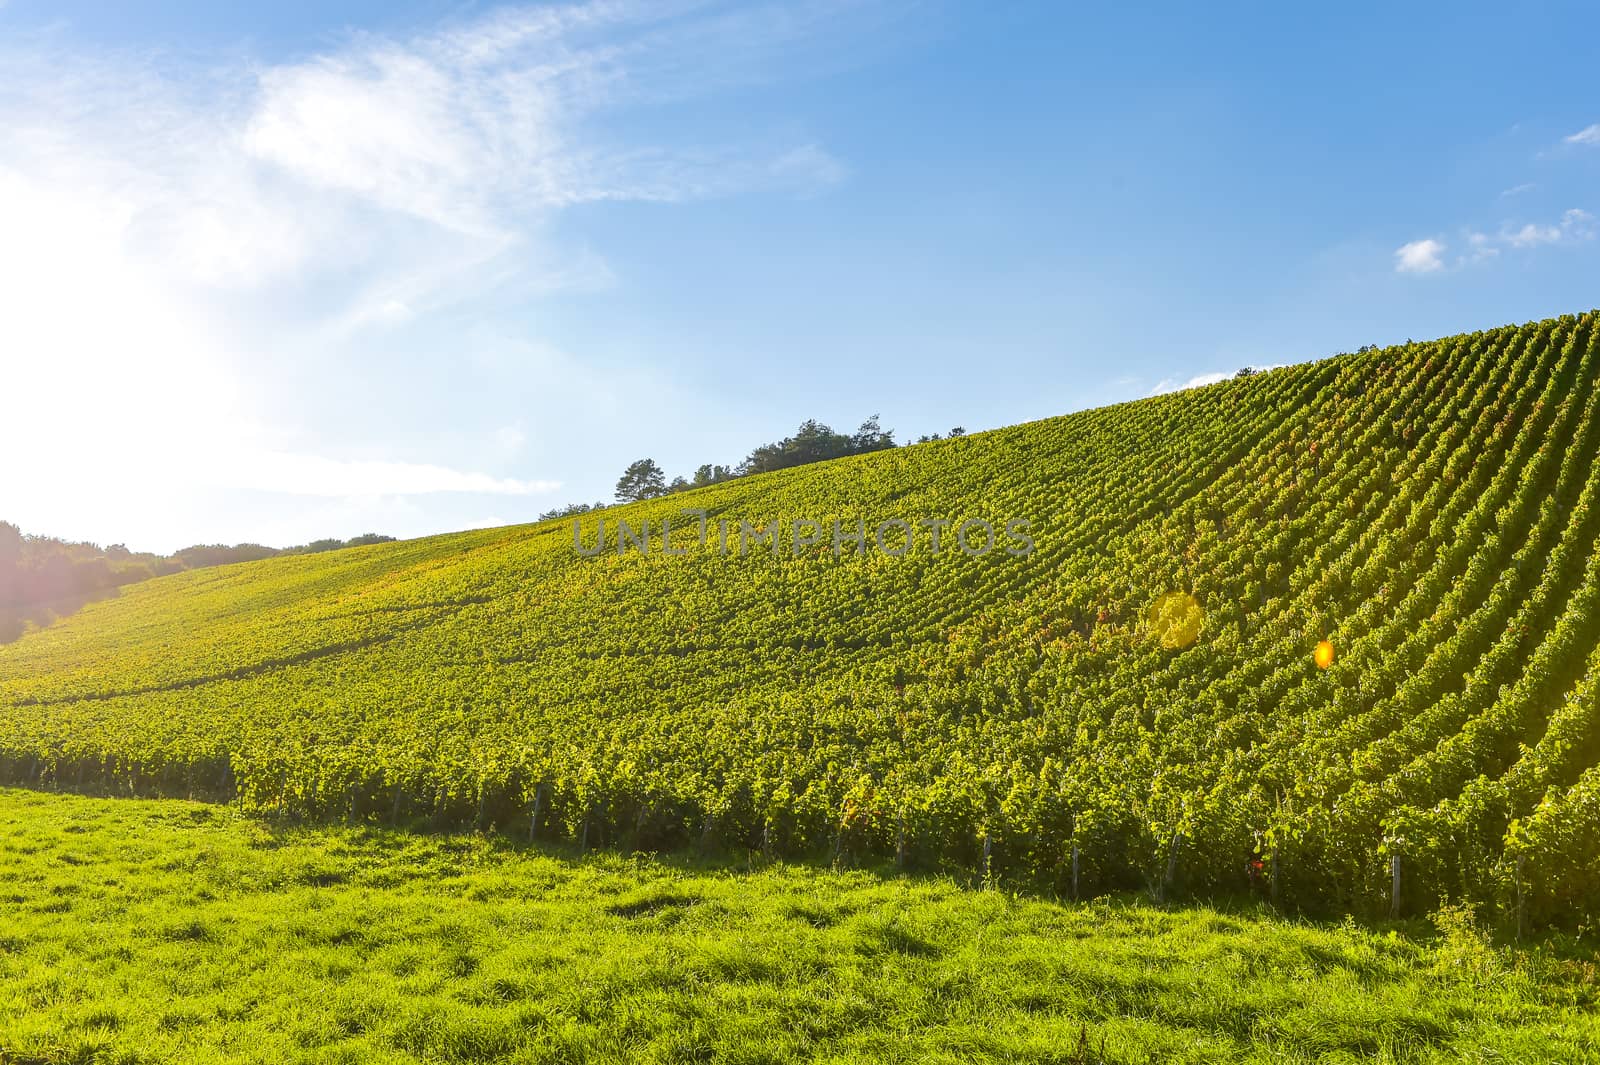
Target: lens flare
1323	655
1176	619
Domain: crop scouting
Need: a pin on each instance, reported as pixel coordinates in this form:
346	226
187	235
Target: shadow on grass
273	831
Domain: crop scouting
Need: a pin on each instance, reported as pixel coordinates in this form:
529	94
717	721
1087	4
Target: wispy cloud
1588	135
1419	257
809	167
1480	246
315	475
1428	256
171	229
468	128
1575	225
1531	235
1173	384
1518	190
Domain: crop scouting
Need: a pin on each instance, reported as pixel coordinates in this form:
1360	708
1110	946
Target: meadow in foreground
170	931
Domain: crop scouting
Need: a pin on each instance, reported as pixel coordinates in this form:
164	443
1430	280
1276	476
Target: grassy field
169	931
1432	511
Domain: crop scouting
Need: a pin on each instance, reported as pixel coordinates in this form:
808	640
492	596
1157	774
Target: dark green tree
709	474
871	436
570	510
641	480
10	544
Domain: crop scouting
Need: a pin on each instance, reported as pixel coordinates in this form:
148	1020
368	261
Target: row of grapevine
1428	508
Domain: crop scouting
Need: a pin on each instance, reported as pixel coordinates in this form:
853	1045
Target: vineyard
1427	510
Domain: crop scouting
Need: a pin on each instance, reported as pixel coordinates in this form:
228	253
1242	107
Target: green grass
169	931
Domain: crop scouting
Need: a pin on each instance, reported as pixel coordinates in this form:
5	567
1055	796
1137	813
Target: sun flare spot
1323	655
1176	619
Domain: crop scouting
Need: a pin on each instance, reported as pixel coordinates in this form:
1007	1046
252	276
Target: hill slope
1428	509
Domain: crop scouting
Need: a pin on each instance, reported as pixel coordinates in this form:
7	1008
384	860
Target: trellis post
1520	899
1172	865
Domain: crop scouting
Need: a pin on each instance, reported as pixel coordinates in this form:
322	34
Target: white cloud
1532	235
809	167
315	475
1427	256
1578	224
1419	257
1518	190
1587	135
1172	384
173	236
510	438
470	127
1575	225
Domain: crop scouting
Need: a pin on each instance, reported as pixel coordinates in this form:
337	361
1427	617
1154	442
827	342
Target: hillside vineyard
1428	510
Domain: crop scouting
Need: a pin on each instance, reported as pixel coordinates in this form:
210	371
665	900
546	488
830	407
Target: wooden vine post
1172	866
1520	899
533	818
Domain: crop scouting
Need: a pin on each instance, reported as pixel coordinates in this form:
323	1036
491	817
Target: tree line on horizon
813	441
42	577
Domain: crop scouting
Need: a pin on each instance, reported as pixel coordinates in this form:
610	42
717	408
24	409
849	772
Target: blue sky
327	268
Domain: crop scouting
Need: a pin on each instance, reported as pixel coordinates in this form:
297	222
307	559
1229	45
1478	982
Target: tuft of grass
199	935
